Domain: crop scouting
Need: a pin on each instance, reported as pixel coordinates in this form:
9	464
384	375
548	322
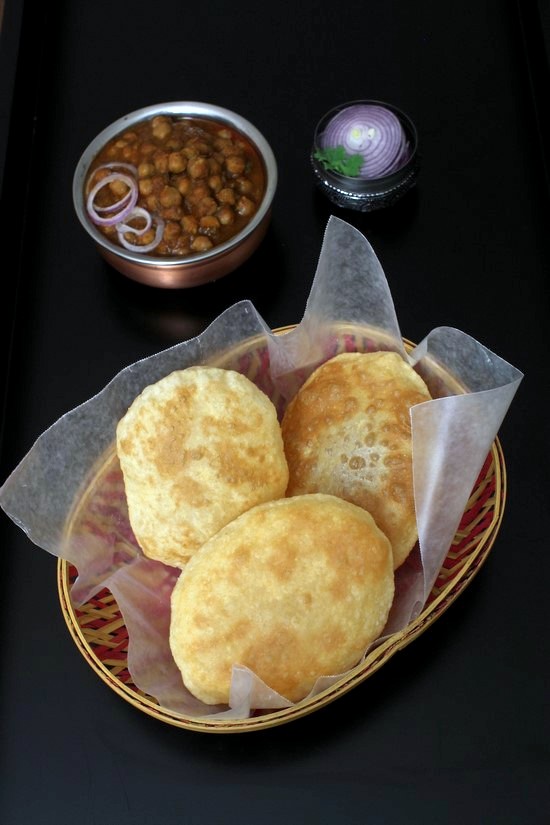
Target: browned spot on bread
347	432
197	449
293	589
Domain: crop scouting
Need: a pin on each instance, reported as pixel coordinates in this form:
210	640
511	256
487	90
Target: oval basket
98	628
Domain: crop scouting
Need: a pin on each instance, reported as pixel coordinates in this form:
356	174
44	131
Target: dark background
455	728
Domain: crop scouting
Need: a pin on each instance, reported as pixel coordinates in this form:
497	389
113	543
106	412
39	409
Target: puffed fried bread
347	432
292	589
197	448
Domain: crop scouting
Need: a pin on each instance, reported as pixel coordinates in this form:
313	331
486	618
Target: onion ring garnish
118	205
116	165
129	167
124	209
137	212
134	247
124	205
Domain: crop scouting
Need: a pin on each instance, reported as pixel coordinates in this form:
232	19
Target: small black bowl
367	194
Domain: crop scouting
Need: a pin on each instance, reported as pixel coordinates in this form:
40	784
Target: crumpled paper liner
451	437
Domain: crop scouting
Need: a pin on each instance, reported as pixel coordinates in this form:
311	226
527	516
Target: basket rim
370	664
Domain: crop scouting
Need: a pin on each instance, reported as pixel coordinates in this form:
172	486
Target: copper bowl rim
186	108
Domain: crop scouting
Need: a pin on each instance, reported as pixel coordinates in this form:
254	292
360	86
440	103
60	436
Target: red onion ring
118	205
116	165
124	205
371	131
144	247
125	209
137	212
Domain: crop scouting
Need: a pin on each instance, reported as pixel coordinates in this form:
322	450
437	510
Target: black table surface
455	728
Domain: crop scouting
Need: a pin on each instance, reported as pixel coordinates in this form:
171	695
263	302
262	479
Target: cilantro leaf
336	159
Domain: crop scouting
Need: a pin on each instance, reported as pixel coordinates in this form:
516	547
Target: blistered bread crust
197	448
348	433
292	589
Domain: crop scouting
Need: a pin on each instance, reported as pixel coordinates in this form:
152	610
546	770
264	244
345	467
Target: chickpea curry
175	186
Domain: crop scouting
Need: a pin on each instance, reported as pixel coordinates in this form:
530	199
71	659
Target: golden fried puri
347	432
197	448
292	589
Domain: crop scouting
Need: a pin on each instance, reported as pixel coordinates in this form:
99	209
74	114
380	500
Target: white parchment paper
472	389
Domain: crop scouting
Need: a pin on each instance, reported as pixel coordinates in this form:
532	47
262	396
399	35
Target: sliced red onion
124	205
134	247
371	131
137	212
118	205
116	165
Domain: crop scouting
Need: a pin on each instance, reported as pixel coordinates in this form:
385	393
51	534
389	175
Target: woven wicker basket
98	628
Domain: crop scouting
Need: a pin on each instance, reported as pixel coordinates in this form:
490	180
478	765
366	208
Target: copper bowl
189	270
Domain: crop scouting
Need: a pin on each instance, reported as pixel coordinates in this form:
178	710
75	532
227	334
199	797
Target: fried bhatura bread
347	432
197	448
292	589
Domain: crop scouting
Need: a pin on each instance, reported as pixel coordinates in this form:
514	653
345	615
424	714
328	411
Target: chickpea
215	183
161	127
229	150
183	185
158	184
226	216
173	144
120	144
200	146
226	195
198	167
170	196
160	159
118	188
130	137
130	154
145	186
235	165
224	146
147	237
224	134
182	245
145	169
207	206
245	206
152	203
201	244
197	193
176	162
209	225
172	213
190	224
214	166
172	231
99	175
245	186
147	149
